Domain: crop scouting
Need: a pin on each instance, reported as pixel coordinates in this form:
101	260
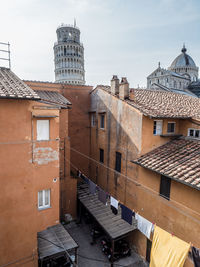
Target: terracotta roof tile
178	159
165	104
12	87
53	97
162	104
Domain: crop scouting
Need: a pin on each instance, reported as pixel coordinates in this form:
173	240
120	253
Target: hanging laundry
114	205
167	250
126	214
114	210
114	202
196	256
144	225
92	187
85	178
102	196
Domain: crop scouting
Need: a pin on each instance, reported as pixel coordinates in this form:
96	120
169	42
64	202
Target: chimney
124	89
115	85
132	94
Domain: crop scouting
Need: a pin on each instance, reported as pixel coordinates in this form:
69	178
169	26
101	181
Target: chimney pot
124	89
115	85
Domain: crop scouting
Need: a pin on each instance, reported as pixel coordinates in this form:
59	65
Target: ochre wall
79	123
179	216
27	166
150	141
75	136
122	133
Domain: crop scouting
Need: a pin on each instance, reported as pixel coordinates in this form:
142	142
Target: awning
53	241
114	226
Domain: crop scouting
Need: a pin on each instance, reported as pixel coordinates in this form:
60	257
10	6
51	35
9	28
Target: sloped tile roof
12	87
162	104
178	159
53	97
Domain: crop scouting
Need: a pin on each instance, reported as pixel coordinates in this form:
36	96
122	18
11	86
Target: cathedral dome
183	61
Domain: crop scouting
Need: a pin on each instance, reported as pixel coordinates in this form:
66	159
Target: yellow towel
167	250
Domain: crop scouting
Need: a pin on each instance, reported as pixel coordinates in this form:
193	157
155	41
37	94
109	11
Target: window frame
93	119
101	155
165	183
171	122
118	167
102	115
194	133
155	121
44	206
37	131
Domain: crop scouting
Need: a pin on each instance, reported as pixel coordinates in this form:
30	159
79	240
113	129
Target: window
118	162
194	133
44	199
102	121
171	127
157	127
165	185
42	129
101	155
93	117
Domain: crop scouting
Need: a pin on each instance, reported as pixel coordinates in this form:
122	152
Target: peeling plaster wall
122	133
44	155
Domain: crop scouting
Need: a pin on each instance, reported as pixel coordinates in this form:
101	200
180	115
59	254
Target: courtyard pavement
91	255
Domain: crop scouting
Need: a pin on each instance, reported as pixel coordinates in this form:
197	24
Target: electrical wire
141	185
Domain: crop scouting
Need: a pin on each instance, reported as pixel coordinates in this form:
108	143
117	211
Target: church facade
178	77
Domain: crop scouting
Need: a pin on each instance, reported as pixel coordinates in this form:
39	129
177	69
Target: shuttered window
165	185
157	127
118	162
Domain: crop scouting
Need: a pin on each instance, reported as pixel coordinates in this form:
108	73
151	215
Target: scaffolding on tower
5	52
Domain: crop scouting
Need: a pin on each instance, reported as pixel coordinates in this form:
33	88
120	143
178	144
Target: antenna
7	51
74	22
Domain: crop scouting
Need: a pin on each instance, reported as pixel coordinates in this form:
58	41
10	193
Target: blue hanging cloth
126	214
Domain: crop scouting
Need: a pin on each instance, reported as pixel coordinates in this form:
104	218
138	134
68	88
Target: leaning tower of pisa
69	56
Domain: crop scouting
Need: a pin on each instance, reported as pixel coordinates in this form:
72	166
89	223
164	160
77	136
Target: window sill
171	135
44	208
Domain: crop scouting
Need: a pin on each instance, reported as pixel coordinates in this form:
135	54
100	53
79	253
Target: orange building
31	166
145	149
79	119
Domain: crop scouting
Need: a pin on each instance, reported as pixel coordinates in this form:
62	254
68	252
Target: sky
123	37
